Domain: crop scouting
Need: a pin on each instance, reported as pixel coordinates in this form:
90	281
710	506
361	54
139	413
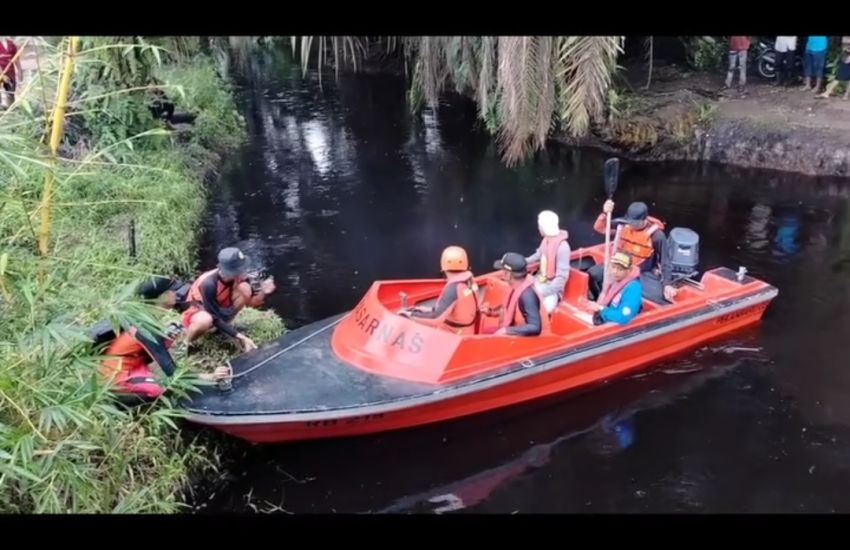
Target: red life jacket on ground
513	315
638	242
615	289
549	255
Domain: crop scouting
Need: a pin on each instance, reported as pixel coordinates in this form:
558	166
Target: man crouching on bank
217	296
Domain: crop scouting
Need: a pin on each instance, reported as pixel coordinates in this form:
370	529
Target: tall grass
65	444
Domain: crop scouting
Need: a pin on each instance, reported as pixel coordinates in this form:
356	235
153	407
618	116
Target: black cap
232	262
513	262
153	288
636	213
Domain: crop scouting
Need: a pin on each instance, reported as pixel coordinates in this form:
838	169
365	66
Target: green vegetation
65	444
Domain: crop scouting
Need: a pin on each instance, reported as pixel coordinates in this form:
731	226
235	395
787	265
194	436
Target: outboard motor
683	252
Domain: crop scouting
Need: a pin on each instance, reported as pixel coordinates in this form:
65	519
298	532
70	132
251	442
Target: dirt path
687	116
763	103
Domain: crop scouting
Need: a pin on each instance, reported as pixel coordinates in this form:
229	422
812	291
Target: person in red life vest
554	257
128	360
217	296
642	238
623	298
10	70
523	312
457	306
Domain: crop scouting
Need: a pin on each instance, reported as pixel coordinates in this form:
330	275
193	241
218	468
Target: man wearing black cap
218	295
168	292
642	238
523	313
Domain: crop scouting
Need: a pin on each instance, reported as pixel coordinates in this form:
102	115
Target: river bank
686	116
65	445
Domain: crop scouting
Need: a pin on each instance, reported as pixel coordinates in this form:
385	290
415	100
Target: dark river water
341	185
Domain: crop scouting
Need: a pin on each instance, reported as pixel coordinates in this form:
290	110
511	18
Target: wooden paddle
611	176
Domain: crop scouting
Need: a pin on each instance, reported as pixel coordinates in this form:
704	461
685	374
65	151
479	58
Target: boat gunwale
509	373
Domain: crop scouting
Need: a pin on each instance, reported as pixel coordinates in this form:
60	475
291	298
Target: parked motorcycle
765	60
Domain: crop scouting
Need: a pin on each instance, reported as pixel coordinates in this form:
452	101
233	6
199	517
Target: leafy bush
65	444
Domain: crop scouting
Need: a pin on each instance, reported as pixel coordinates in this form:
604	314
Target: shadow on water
341	185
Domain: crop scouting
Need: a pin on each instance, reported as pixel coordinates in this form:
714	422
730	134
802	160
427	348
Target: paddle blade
612	176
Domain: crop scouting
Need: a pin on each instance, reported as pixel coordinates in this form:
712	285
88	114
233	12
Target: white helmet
547	222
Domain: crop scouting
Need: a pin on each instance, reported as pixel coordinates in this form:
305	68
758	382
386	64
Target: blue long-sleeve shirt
629	306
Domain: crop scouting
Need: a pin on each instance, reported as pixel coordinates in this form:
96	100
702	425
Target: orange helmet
454	259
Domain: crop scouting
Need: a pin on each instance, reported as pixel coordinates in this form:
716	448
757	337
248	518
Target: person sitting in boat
623	297
523	312
642	237
554	257
457	306
218	295
128	359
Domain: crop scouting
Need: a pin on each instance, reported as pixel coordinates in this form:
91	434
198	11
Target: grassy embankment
65	445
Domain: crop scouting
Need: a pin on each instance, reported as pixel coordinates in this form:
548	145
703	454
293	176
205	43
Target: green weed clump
66	445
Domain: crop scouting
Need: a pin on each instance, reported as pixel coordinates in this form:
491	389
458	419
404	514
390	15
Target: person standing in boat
523	312
624	296
642	238
554	257
457	306
217	296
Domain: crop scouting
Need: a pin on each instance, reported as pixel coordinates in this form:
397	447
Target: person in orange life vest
523	312
554	257
217	296
457	306
10	71
642	237
128	359
623	297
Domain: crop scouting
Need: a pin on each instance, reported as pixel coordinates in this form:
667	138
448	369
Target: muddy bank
688	117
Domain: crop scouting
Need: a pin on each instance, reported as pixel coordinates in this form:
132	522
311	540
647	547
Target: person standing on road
10	69
786	48
814	61
738	47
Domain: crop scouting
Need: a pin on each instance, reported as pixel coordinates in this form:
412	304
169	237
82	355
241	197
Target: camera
255	279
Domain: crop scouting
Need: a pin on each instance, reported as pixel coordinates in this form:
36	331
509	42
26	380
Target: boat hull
553	373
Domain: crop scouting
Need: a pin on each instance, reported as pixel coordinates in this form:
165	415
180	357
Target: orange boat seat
577	286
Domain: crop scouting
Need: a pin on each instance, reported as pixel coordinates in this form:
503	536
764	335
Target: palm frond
434	71
526	94
585	65
350	49
486	74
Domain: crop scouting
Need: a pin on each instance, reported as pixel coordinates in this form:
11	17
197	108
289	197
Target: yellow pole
55	137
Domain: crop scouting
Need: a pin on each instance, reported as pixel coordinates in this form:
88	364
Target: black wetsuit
529	307
447	298
221	315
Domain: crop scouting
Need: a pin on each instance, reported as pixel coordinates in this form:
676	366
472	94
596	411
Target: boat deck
307	378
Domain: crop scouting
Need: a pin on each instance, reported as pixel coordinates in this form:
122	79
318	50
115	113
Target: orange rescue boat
372	370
